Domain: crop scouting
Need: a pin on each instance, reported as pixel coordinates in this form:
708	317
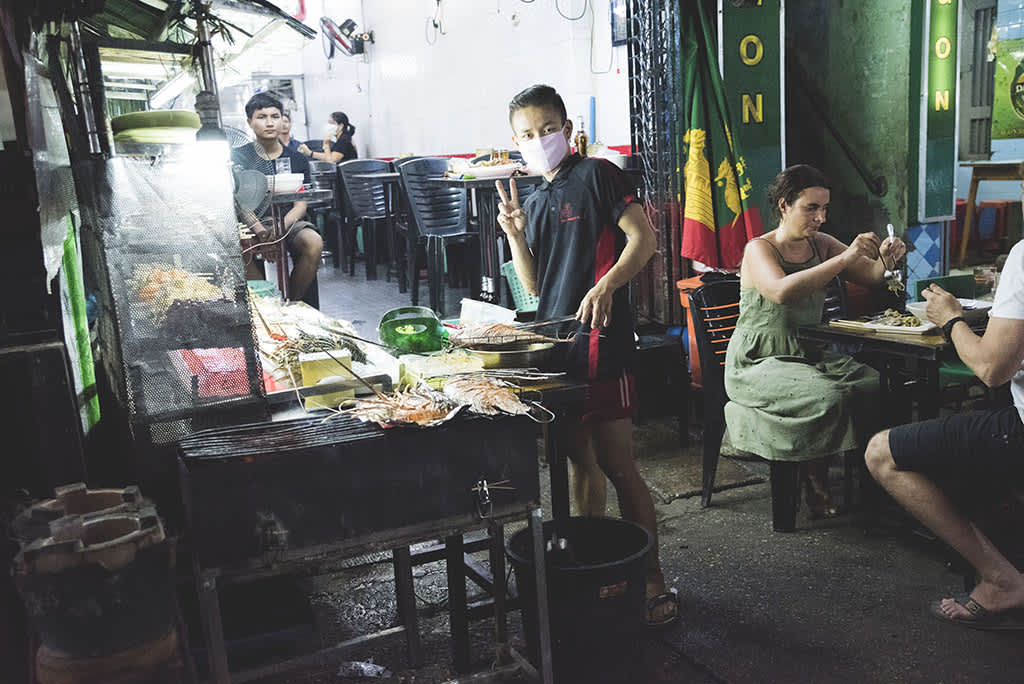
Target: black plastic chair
367	204
440	218
836	305
715	307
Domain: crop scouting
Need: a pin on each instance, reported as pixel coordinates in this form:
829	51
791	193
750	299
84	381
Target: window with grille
977	75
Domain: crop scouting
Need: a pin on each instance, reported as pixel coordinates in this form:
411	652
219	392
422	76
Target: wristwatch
947	328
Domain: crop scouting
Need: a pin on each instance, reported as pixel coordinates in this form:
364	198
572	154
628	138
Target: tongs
894	276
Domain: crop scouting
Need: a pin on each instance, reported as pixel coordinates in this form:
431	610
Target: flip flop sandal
981	617
655	602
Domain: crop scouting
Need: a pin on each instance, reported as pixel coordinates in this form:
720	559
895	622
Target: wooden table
988	170
926	351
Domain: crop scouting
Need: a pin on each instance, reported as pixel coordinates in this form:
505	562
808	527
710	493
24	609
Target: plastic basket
524	301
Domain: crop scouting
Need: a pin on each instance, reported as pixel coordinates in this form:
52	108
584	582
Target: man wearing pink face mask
576	243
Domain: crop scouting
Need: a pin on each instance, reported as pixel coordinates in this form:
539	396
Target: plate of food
491	168
891	320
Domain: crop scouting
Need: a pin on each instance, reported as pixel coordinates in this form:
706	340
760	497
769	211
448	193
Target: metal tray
533	355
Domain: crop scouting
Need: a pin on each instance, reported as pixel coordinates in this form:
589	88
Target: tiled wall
408	96
927	256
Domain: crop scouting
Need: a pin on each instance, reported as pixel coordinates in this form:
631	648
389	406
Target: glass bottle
581	139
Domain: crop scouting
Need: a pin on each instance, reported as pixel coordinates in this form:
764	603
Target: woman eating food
789	400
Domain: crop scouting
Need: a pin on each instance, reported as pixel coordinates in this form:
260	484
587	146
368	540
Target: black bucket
596	600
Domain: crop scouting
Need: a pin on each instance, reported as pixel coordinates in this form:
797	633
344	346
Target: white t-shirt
1009	303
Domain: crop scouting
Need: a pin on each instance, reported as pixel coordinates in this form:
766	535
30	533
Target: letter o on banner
943	47
745	45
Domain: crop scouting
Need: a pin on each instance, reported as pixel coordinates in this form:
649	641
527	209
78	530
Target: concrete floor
830	602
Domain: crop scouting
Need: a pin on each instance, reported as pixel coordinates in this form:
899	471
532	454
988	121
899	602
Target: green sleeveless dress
789	399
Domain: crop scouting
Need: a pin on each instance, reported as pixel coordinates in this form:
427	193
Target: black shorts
971	444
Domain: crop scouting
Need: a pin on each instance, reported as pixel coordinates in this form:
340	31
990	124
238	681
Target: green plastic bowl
412	329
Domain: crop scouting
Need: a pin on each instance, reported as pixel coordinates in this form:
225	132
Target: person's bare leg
613	447
306	250
587	481
1001	586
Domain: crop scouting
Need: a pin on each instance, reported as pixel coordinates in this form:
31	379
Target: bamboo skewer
354	375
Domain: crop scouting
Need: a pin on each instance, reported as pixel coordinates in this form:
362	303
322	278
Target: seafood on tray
488	396
418	406
285	356
493	335
159	287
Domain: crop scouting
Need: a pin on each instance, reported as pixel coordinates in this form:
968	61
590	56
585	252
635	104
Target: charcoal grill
283	491
271	497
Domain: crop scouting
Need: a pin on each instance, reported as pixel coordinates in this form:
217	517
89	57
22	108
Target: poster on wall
1008	97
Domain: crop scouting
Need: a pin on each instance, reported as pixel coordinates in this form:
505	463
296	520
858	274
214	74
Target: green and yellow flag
718	216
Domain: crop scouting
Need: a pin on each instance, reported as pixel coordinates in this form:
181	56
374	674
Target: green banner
1008	98
750	43
936	172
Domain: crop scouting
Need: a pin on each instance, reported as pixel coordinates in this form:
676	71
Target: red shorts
610	399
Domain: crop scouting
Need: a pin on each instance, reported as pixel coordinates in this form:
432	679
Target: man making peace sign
576	243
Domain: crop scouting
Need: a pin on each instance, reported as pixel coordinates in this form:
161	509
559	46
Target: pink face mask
544	153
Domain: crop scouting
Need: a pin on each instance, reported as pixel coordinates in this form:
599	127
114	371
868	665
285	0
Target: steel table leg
540	576
457	611
497	559
282	252
407	604
555	448
213	630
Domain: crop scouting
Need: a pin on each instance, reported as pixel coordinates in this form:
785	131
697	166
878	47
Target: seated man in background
910	461
285	137
268	156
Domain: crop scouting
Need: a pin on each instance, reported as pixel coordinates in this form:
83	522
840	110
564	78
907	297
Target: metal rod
347	368
84	91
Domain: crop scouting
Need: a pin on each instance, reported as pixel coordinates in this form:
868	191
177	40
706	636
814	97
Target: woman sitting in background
337	146
788	399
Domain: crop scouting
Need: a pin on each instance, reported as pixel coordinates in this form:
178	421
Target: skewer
354	375
553	321
273	335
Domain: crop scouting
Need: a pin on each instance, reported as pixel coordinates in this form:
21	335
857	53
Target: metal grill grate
175	290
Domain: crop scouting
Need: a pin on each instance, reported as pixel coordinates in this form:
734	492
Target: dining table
897	356
493	251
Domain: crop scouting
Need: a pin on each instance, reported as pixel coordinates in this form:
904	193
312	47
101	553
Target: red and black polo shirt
572	229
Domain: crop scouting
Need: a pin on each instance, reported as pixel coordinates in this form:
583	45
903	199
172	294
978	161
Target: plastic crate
524	301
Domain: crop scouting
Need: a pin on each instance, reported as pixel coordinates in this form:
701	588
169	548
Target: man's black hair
537	96
261	101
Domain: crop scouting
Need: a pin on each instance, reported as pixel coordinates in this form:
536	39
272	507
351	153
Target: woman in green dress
790	400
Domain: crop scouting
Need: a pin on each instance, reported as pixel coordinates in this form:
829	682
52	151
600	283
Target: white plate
918	308
910	330
500	171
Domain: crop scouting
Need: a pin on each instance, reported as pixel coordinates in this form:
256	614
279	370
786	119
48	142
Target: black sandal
655	602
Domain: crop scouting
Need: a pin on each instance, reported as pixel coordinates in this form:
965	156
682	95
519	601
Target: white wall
407	96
